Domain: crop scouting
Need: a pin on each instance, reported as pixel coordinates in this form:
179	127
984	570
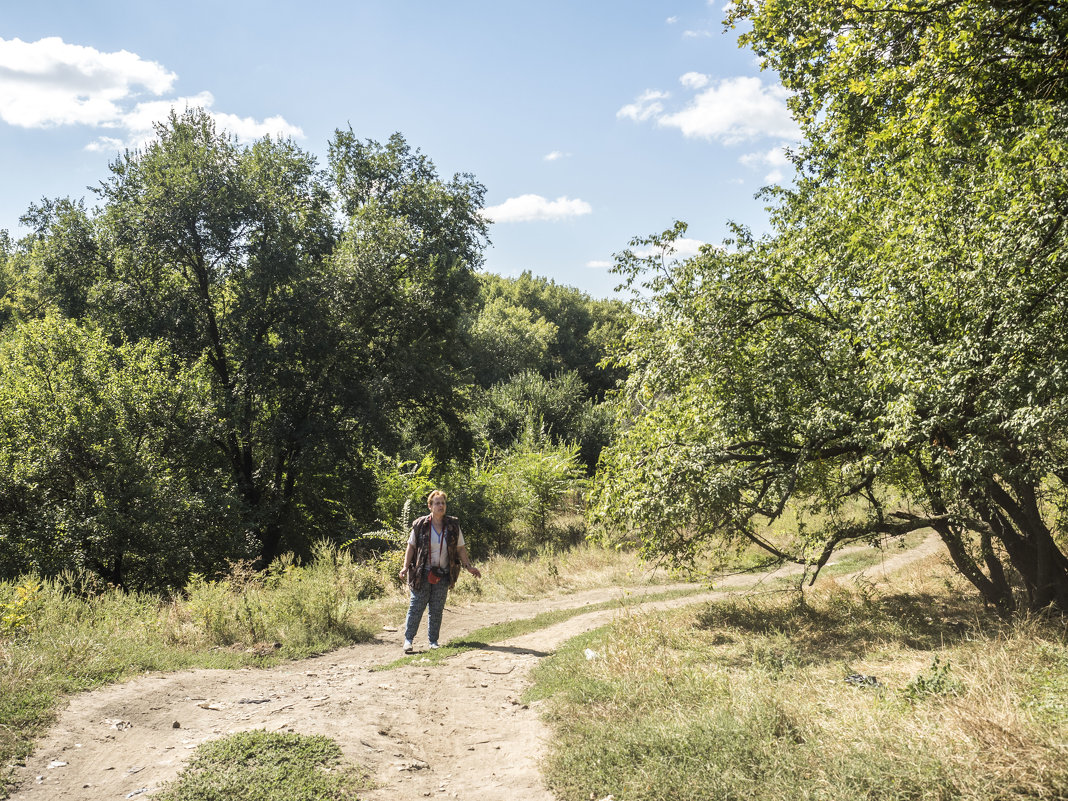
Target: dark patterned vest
421	561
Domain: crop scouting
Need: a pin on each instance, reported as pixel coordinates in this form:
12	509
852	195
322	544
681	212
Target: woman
432	563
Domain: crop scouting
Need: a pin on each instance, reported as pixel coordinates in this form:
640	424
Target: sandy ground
456	730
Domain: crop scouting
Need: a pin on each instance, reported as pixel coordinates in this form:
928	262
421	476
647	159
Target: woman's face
437	506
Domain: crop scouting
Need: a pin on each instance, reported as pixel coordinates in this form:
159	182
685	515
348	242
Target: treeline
237	353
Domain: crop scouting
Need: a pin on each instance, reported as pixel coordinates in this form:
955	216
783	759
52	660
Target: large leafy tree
534	323
325	307
894	356
97	472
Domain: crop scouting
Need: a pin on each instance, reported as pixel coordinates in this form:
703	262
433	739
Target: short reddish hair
430	498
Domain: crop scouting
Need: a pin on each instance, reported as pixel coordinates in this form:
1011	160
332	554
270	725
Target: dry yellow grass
748	699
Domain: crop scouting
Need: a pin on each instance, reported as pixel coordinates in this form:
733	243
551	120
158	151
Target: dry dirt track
482	742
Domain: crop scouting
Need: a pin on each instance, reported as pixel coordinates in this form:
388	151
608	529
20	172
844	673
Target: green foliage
577	332
303	606
402	489
17	608
312	339
507	339
54	269
267	766
936	680
557	407
547	478
898	339
484	494
95	472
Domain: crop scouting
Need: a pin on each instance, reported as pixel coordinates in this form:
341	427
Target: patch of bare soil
456	730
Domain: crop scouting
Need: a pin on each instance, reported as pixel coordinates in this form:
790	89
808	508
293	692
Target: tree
586	329
312	333
507	339
554	407
95	470
897	343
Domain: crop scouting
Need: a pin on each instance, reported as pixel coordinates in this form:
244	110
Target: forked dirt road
456	730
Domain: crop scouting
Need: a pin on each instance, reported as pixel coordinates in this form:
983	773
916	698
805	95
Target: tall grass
750	700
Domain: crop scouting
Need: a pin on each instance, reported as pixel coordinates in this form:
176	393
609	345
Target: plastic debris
860	680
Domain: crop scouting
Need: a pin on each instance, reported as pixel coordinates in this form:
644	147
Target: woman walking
432	562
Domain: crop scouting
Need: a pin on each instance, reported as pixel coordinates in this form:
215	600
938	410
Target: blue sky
588	122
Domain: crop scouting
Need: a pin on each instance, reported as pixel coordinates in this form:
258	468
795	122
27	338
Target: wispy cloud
682	248
529	208
776	158
671	20
729	111
697	34
556	155
694	80
599	264
51	83
647	105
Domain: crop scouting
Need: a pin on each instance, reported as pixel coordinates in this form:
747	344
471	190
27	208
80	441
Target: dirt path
476	740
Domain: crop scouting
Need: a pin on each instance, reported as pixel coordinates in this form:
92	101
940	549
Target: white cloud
647	105
528	208
694	80
683	247
106	144
247	129
556	155
776	158
697	34
671	20
140	121
686	248
729	111
50	83
598	264
734	110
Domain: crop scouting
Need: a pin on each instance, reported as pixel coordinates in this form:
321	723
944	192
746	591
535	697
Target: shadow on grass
845	626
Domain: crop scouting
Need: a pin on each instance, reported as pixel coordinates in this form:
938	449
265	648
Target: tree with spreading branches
894	355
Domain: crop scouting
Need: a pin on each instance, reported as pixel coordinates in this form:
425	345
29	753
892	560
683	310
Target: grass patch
480	638
748	699
262	766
